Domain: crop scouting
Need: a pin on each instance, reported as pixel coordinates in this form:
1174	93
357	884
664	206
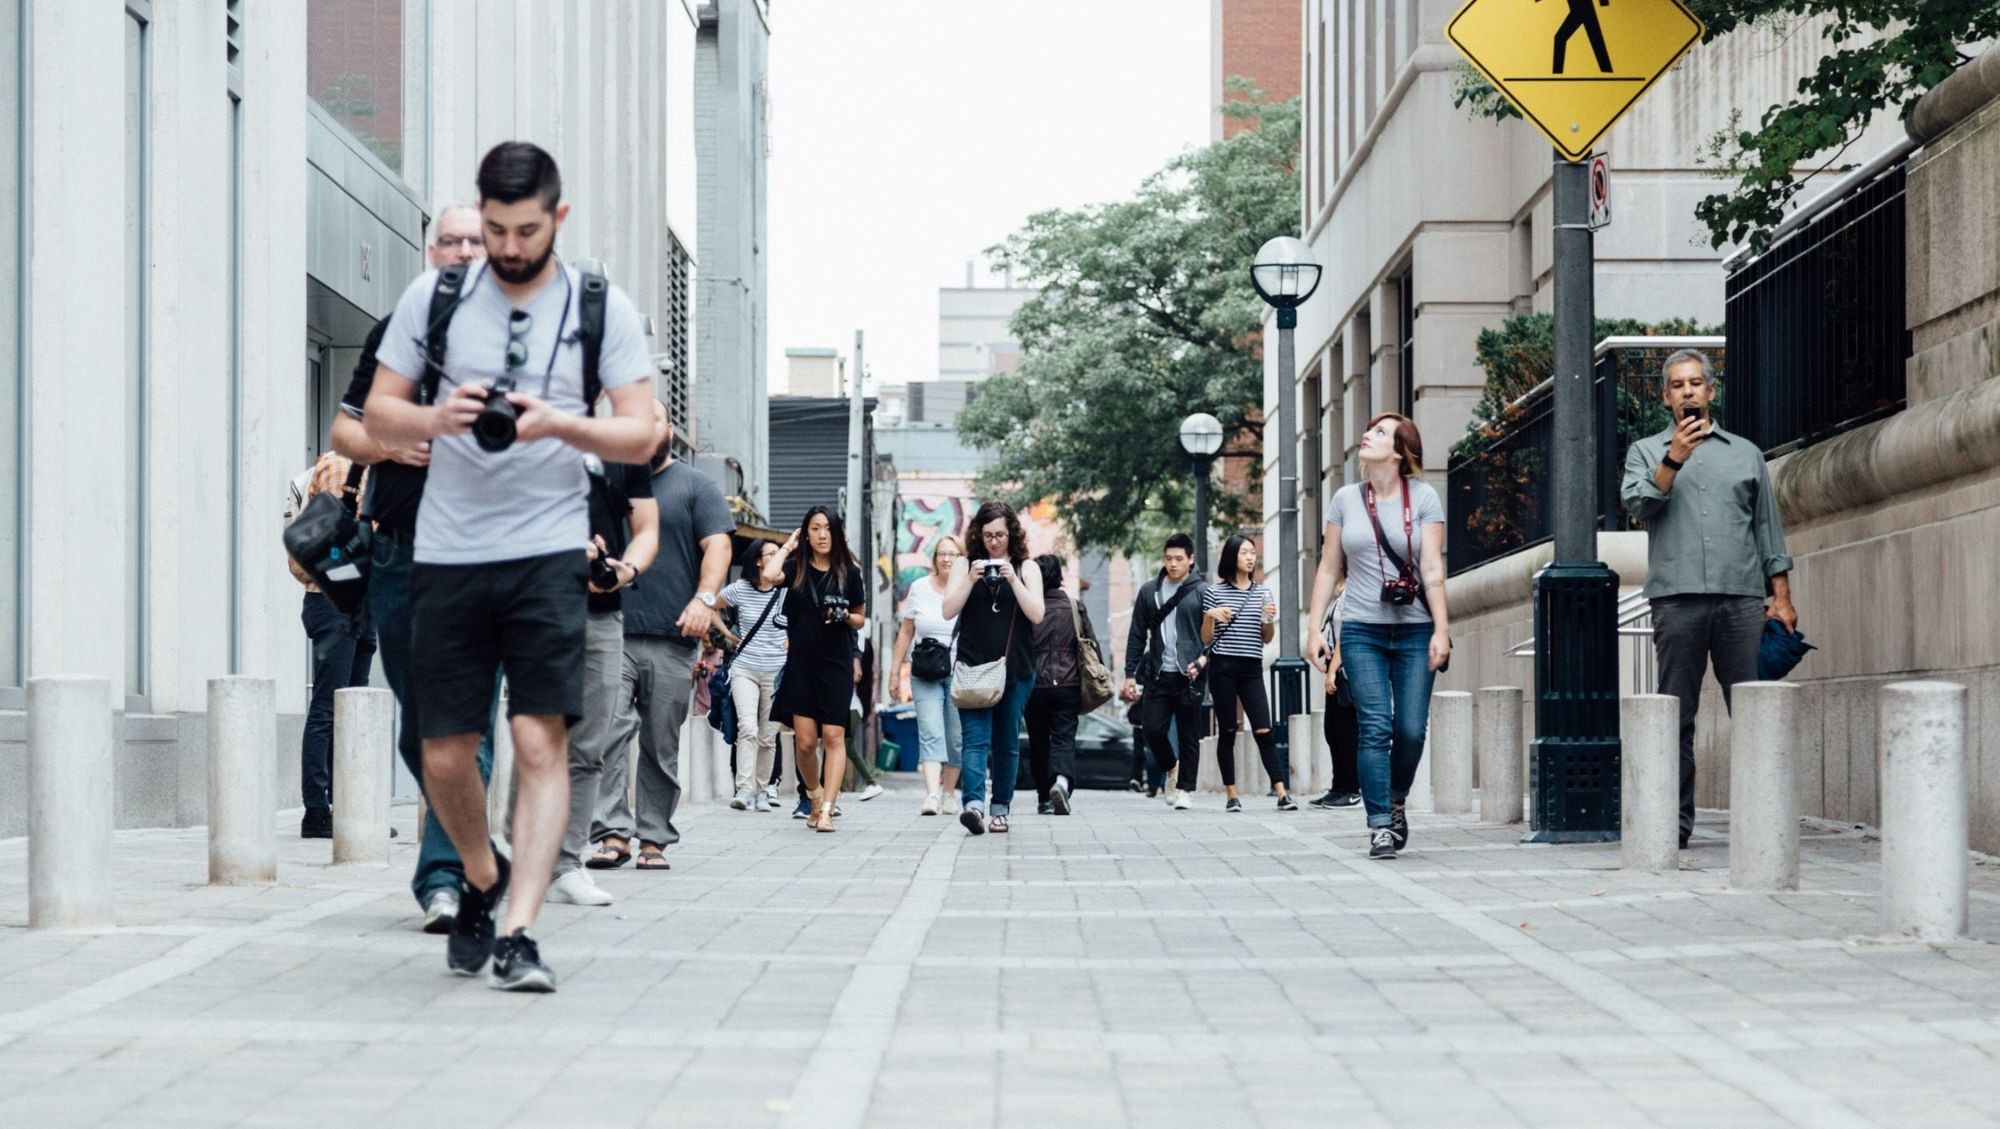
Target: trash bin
899	726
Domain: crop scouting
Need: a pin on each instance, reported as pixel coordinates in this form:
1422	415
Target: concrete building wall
975	335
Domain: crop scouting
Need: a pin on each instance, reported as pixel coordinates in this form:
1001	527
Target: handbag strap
776	594
1402	567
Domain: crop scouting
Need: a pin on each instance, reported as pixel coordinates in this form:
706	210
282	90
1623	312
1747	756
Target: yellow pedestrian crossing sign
1573	67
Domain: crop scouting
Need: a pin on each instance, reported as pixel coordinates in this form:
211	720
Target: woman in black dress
824	607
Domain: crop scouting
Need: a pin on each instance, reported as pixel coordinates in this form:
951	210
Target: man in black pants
1161	647
500	572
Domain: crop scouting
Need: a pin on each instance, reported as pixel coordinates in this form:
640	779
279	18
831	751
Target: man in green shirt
1714	554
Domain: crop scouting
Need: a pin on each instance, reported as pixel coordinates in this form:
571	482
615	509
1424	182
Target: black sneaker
1286	803
973	820
317	824
1059	797
518	967
471	940
1330	800
1381	843
1399	824
1347	800
1234	804
1045	808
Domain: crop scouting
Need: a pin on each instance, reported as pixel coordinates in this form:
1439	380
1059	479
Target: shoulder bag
981	687
721	703
1093	677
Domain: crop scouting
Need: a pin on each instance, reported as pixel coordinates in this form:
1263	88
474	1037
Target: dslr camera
1401	591
494	426
834	606
602	574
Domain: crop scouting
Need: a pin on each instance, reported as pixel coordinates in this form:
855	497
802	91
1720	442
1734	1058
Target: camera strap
452	289
1409	545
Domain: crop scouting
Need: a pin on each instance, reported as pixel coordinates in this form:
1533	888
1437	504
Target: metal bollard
1650	792
364	735
1926	812
1763	787
1496	712
69	803
242	781
1451	752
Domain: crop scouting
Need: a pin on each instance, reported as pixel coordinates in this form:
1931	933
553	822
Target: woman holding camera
1386	533
997	610
754	675
925	643
824	607
1239	616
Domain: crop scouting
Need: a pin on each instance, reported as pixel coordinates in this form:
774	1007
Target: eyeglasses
518	325
454	242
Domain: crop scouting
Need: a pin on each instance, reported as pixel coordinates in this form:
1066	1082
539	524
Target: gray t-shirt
531	499
1367	568
692	508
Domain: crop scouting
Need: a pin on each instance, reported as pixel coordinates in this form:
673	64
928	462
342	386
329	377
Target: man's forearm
394	421
1663	477
352	441
615	440
714	563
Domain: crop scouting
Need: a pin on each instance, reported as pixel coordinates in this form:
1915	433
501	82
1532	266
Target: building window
138	162
1406	345
357	68
1310	471
13	349
675	372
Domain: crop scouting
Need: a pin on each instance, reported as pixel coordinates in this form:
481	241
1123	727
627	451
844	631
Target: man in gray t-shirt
500	572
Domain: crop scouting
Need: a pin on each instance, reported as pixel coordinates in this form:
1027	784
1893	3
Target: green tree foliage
1146	314
1880	53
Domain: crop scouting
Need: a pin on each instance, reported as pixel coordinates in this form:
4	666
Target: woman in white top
924	622
753	676
1239	616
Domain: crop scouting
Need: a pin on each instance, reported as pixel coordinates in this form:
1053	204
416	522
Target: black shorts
468	621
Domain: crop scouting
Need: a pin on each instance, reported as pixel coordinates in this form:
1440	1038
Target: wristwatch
707	599
1671	463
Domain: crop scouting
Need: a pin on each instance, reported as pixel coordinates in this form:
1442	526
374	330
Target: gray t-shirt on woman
1367	568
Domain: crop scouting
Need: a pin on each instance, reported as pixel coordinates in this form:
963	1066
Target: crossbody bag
721	703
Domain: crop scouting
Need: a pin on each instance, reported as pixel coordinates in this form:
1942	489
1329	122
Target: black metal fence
1817	323
1501	497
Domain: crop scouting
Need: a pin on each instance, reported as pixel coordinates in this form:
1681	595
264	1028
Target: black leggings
1233	679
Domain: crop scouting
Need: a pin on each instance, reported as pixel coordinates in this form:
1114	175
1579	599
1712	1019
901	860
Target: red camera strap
1409	544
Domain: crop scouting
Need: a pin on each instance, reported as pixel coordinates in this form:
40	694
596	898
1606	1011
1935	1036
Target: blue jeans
1388	665
389	604
993	742
940	736
343	649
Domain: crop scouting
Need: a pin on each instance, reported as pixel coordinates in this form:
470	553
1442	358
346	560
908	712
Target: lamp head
1284	272
1201	435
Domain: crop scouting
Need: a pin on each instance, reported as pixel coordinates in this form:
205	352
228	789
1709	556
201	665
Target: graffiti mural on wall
944	507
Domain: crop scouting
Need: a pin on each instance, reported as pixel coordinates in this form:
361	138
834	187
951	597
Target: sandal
823	821
607	857
651	858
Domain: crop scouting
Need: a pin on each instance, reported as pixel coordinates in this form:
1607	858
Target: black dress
819	666
992	623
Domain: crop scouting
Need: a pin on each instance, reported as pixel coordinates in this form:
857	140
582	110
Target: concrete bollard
364	736
1307	732
1451	752
1208	771
1763	787
1925	810
1650	784
242	781
1496	712
69	803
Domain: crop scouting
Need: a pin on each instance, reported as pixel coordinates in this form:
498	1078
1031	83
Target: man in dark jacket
1161	648
1057	699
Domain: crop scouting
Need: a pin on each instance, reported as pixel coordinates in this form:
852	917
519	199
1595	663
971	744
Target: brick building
1253	39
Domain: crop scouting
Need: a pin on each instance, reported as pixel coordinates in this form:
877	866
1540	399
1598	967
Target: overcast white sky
909	135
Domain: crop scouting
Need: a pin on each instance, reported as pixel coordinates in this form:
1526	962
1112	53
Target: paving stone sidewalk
1127	966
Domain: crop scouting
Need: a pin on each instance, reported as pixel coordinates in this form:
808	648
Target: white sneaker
931	802
950	805
576	889
770	797
870	792
763	803
1183	801
741	802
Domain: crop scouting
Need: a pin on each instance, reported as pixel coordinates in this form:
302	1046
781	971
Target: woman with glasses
1239	616
928	630
825	605
998	610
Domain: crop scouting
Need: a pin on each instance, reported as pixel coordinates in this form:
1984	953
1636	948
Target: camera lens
494	426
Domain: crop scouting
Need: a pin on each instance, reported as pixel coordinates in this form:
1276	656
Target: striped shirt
1244	637
766	653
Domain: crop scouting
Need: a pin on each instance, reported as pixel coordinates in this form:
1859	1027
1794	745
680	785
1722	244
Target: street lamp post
1285	275
1201	438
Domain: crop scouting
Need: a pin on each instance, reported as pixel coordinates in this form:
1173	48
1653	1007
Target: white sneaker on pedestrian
873	790
741	801
1183	801
770	797
763	803
950	805
576	889
931	802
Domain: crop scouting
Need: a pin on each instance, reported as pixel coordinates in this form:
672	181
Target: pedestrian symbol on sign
1633	43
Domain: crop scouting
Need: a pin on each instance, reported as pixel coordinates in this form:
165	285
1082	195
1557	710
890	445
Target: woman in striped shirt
753	676
1239	617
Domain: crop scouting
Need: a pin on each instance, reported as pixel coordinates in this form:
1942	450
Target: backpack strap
590	331
445	296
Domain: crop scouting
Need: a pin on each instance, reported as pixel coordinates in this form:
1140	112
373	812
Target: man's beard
507	274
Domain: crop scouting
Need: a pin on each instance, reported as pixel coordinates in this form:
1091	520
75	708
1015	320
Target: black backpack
450	290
